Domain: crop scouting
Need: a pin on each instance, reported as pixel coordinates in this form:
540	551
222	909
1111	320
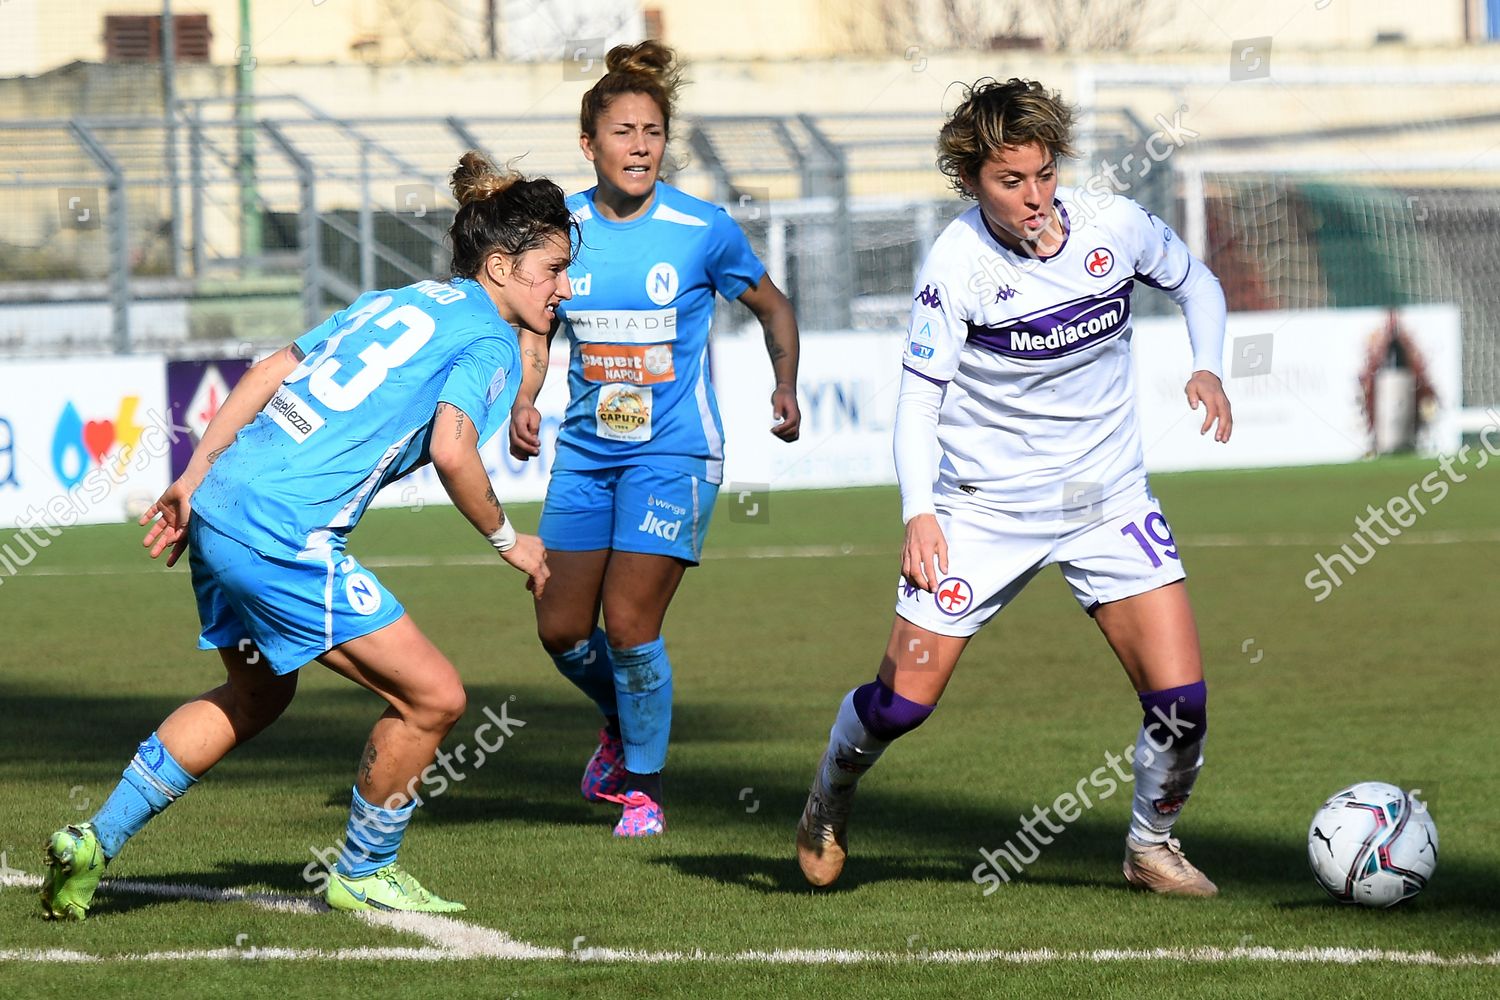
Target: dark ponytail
501	210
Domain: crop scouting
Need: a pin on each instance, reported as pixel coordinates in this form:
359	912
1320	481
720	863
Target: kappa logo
928	296
1005	294
653	525
954	595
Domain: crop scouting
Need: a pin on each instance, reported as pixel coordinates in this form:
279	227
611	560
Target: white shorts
1117	549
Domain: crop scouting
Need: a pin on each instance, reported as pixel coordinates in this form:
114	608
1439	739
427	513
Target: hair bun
476	179
650	57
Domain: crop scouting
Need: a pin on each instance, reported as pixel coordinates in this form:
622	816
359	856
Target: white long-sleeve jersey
1018	391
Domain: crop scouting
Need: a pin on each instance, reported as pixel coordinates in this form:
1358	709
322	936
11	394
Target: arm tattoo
213	456
775	350
537	364
490	498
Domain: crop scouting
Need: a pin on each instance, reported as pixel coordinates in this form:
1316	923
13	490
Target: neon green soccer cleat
74	863
390	888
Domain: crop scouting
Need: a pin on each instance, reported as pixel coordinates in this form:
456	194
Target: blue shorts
629	508
295	610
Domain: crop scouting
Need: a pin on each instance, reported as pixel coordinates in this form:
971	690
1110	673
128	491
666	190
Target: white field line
451	939
824	552
447	937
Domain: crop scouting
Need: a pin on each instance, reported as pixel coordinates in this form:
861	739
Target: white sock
851	749
1164	777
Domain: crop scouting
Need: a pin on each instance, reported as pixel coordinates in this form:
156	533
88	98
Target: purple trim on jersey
1146	279
1089	320
1067	232
929	378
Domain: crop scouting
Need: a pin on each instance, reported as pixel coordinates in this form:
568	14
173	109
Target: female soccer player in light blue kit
641	450
283	474
1017	446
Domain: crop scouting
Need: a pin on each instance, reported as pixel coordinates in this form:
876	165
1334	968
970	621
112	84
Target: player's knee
437	707
885	714
627	628
253	707
446	706
560	637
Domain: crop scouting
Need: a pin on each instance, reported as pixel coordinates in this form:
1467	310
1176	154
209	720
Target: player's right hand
525	431
529	556
924	556
170	514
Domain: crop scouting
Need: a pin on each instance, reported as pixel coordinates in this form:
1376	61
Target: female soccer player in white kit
1017	446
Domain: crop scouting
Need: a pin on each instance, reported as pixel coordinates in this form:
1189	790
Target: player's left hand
1206	388
788	415
170	513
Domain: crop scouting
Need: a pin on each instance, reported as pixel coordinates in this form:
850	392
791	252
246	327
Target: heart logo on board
98	438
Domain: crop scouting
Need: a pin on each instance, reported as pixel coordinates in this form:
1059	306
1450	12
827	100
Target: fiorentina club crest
1099	262
954	595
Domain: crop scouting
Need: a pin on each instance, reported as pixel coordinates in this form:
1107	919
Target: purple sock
884	713
1179	712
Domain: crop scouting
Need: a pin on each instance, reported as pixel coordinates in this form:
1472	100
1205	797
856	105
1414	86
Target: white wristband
504	538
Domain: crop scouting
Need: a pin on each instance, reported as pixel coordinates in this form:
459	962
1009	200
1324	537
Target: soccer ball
1372	844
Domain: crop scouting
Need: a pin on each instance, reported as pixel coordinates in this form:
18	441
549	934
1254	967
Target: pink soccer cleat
605	775
643	817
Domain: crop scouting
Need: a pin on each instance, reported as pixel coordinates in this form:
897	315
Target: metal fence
217	225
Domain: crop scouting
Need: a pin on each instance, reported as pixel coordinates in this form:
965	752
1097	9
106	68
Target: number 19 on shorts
1153	536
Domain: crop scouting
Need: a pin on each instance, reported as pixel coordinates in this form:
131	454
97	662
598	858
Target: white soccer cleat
1163	868
822	832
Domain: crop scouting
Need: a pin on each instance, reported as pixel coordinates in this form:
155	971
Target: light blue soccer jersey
355	415
643	301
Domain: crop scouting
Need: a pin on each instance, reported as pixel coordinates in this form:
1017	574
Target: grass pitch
1391	678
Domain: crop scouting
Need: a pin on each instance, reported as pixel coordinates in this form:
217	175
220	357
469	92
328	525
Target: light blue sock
643	686
372	837
152	781
589	666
